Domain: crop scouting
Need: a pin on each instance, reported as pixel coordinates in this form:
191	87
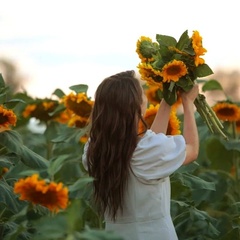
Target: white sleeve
158	156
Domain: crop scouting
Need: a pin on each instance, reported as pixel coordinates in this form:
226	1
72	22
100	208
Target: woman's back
146	204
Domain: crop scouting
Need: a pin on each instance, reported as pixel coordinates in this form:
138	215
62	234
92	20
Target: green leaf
203	70
180	203
169	96
12	141
159	94
80	184
2	82
52	130
218	155
8	197
59	93
97	234
222	183
188	168
198	214
233	234
21	214
73	218
70	134
4	162
211	85
79	88
231	144
166	40
3	95
183	41
24	97
55	227
194	182
13	102
32	159
235	207
56	164
17	230
26	173
60	108
185	83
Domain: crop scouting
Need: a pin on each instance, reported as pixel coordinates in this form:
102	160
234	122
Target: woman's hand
191	94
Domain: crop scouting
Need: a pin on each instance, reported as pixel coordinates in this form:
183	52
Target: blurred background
45	45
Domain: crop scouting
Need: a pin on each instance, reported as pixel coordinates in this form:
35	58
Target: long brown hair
113	138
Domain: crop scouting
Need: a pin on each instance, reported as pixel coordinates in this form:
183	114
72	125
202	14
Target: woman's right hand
191	94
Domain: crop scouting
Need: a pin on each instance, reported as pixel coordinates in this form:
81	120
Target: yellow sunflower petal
198	48
7	117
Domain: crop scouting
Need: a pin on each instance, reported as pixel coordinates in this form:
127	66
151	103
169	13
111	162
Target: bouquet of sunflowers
175	65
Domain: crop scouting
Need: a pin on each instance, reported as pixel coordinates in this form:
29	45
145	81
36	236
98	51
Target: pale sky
57	44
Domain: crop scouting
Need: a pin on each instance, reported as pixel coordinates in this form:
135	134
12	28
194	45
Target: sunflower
48	105
152	94
145	49
173	124
7	118
40	110
79	103
150	114
54	196
77	121
28	110
84	139
175	65
173	70
148	117
226	111
150	75
198	48
64	117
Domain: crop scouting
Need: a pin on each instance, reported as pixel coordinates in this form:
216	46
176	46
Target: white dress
146	214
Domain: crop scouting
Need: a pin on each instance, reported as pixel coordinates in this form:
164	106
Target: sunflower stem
209	116
202	113
235	155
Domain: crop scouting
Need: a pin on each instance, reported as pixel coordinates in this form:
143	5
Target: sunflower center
80	124
3	119
82	109
226	112
173	70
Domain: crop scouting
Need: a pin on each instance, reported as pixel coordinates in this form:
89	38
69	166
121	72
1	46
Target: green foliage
211	85
203	70
205	194
79	88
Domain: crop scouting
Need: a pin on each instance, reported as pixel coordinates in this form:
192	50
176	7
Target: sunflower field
45	193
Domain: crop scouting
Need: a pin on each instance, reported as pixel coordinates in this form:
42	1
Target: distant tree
12	76
230	81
